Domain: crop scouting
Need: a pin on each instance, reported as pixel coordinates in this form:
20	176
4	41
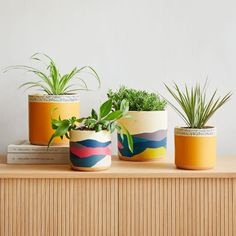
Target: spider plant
51	81
195	108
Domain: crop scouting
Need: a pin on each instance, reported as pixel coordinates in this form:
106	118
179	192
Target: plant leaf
94	114
124	106
98	128
129	139
115	115
196	109
105	108
52	82
61	130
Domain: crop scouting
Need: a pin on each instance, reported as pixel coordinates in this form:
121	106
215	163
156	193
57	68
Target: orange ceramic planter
42	108
195	149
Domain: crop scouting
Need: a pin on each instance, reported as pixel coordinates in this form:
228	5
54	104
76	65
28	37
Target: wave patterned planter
90	150
42	107
195	149
149	133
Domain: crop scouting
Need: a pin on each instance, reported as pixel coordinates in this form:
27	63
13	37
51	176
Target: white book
25	147
35	158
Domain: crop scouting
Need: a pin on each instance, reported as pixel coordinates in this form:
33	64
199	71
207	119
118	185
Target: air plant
195	106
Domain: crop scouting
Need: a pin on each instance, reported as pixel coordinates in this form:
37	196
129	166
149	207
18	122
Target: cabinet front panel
176	206
58	207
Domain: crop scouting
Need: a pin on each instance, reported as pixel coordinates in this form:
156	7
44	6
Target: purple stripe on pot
154	136
78	145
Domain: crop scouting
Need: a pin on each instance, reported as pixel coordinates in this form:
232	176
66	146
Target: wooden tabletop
226	168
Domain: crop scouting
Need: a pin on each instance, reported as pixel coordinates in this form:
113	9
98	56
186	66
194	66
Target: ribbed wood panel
58	207
176	206
125	207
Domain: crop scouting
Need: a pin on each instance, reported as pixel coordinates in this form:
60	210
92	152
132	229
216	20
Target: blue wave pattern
93	143
140	145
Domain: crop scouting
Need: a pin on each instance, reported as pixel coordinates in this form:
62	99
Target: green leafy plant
196	109
51	81
138	100
105	119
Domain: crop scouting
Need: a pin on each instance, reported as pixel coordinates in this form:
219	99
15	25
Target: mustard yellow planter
149	132
195	149
42	108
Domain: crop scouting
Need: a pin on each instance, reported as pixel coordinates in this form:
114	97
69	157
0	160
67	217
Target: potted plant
147	124
195	144
58	95
90	137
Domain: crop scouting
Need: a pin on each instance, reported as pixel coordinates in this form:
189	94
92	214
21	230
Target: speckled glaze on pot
42	108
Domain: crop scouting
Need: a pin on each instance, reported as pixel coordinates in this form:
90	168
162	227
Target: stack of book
23	152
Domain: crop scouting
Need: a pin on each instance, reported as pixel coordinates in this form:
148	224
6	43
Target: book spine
38	149
29	158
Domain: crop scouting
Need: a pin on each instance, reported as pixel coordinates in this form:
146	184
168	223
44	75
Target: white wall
139	43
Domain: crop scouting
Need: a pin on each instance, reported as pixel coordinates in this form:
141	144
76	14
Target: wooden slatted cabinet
129	199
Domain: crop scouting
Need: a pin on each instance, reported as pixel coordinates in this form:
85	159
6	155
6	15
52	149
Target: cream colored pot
149	133
90	150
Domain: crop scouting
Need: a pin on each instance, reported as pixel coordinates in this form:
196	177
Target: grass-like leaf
195	109
51	81
105	108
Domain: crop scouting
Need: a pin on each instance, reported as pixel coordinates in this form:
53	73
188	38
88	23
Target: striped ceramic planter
90	150
149	133
42	108
195	149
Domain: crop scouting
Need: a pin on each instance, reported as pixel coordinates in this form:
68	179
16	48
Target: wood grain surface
226	167
130	199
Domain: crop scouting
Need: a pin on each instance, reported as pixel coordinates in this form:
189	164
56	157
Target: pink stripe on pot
120	145
87	151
